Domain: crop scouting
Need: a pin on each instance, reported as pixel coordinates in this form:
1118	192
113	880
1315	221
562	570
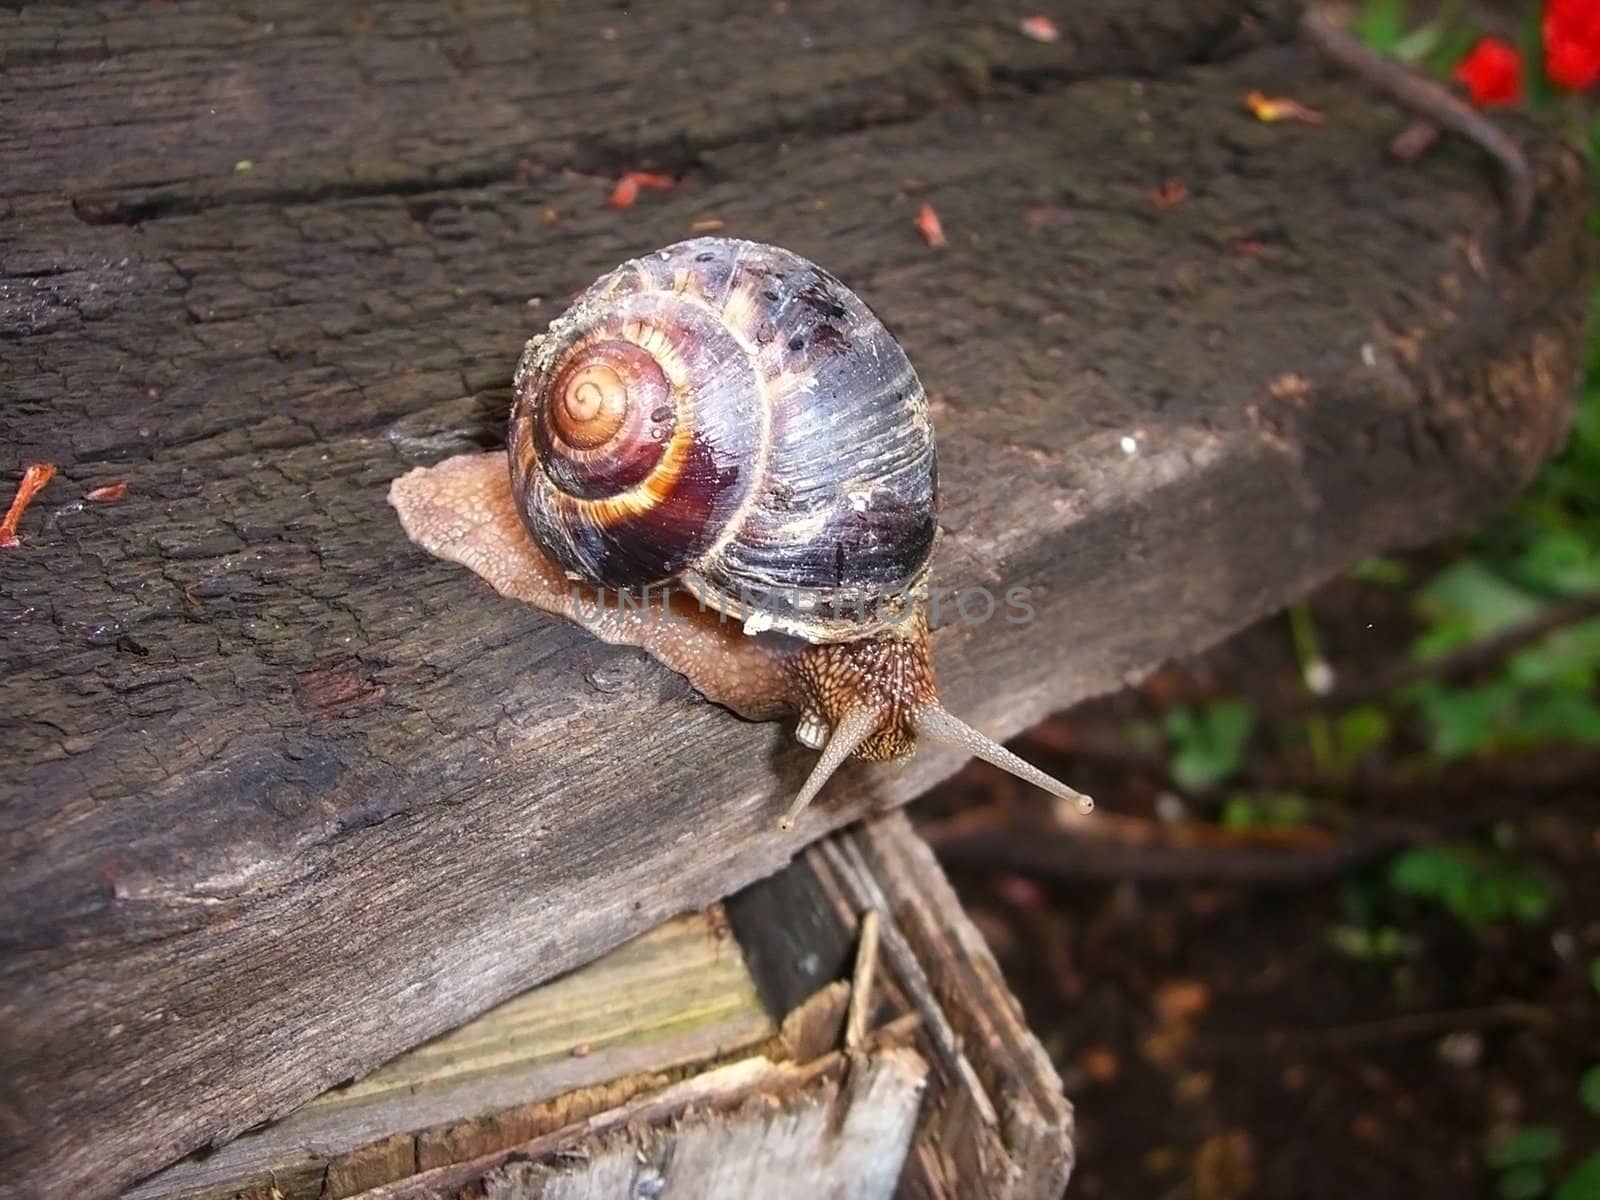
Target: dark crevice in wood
795	940
116	210
682	154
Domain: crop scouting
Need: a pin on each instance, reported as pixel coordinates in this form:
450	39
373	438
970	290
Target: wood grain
675	996
479	1107
752	1128
281	798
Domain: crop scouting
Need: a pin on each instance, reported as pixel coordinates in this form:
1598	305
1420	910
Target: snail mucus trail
726	418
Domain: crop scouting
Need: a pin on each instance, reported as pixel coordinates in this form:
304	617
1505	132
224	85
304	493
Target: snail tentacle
938	724
853	728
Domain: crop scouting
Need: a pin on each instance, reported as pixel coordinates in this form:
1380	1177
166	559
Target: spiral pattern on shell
727	414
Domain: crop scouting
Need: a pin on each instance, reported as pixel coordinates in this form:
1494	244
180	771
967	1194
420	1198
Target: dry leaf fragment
109	494
707	225
625	193
627	188
1039	28
33	479
1100	1063
1281	108
929	226
1224	1167
1181	999
1021	891
1170	194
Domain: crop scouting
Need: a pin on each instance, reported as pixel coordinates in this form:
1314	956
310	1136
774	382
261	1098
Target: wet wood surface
282	797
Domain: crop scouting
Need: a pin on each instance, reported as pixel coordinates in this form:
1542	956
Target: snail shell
729	415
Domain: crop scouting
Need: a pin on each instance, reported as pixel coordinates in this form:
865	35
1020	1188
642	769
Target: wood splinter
855	1026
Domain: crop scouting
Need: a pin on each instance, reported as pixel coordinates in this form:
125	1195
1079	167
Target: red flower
1492	72
1572	43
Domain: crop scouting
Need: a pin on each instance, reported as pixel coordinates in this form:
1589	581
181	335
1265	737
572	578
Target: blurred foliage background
1342	929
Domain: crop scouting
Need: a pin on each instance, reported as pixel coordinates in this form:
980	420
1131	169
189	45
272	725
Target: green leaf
1478	887
1207	744
1470	595
1529	899
1240	812
1567	657
1530	44
1561	561
1259	810
1522	1183
1381	24
1454	43
1594	974
1558	716
1385	572
1589	1090
1584	1181
1360	731
1532	1145
1383	944
1462	720
1432	872
1419	43
1445	635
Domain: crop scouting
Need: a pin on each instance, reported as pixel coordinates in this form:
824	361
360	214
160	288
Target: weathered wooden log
269	773
586	1086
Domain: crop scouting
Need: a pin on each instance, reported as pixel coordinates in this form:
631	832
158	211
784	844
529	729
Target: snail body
726	420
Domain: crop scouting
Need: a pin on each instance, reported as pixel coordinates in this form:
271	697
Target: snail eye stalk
854	727
935	723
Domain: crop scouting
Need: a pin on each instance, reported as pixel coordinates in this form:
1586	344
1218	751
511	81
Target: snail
722	439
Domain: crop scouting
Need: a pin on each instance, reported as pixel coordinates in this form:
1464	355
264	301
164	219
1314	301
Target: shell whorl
727	414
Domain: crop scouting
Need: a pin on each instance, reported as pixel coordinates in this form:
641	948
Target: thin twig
982	840
1314	676
1068	858
1437	103
856	878
1407	1026
855	1026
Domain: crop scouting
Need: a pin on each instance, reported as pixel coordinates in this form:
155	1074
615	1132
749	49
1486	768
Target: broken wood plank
675	996
1014	1075
995	1124
752	1128
257	748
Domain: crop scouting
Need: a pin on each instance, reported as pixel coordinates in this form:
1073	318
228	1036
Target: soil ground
1216	1040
